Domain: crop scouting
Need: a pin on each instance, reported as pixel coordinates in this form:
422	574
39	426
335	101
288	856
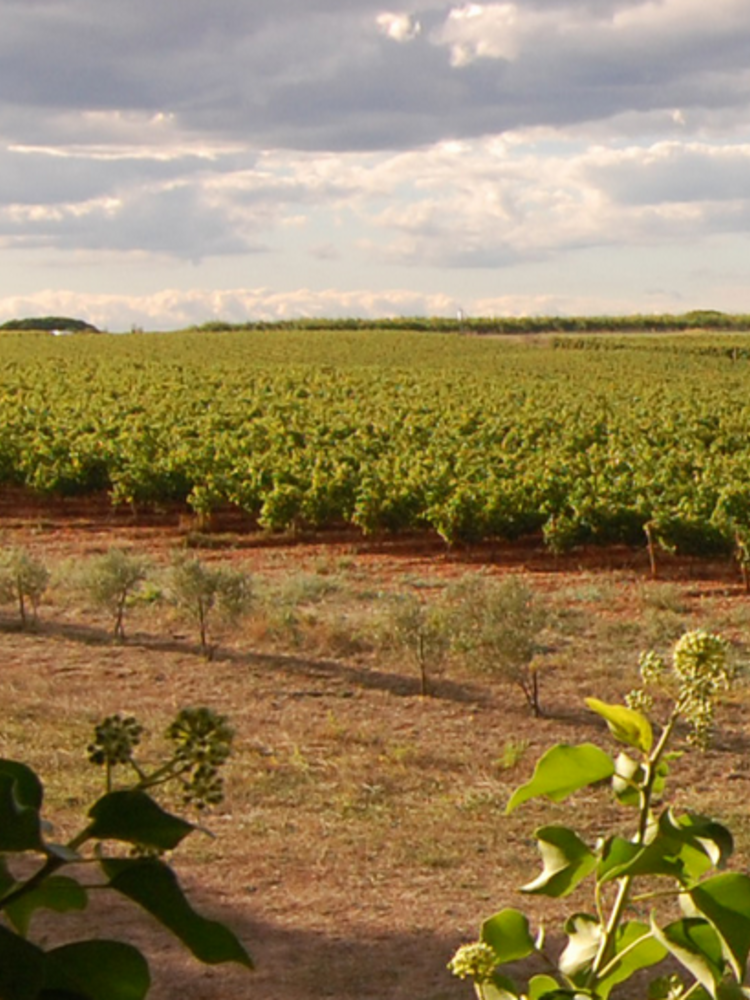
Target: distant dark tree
50	323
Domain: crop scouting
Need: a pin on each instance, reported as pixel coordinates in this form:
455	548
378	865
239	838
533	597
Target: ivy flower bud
476	960
115	739
701	657
652	667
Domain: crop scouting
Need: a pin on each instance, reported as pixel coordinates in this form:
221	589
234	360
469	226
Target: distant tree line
699	319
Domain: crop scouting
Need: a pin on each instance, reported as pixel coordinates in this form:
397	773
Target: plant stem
650	768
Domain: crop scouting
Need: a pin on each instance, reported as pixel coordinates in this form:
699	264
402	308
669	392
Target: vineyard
630	439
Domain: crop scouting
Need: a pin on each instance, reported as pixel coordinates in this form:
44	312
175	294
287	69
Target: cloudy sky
165	162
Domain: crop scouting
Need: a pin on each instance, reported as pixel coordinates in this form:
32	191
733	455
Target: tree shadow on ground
336	672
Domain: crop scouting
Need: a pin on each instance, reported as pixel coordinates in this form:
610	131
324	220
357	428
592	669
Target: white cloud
398	27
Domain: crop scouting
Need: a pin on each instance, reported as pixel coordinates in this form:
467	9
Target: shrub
23	579
111	580
423	630
499	626
199	591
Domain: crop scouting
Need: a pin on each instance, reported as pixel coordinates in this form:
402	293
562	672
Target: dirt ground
362	837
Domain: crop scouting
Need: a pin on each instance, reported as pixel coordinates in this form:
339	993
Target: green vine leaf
541	986
21	967
697	947
154	886
57	893
626	724
97	970
509	935
20	800
134	817
635	948
725	901
563	770
567	861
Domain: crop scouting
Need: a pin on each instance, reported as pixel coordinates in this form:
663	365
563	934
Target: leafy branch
128	816
683	854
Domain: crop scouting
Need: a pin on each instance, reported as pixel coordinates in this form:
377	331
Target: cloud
338	75
398	27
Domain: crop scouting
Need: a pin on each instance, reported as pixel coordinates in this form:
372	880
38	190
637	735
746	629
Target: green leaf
625	724
498	988
98	970
21	967
696	946
509	935
154	886
29	791
628	777
635	948
540	986
567	861
623	857
584	938
134	817
563	770
20	823
684	847
57	893
706	835
725	901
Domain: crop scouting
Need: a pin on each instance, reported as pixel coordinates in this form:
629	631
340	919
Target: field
587	439
363	837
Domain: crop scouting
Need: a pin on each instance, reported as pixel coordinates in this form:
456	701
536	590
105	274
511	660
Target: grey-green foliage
111	580
23	579
201	592
423	629
499	625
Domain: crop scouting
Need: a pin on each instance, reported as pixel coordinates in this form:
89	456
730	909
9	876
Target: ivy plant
124	839
661	903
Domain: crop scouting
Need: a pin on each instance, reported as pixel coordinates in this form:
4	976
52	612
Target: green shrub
23	580
498	625
111	580
200	591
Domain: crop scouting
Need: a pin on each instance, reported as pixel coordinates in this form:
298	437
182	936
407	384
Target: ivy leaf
623	857
696	946
584	938
509	935
57	893
154	886
134	817
684	848
635	948
29	790
725	901
541	986
20	800
712	839
21	967
97	970
567	861
625	724
563	770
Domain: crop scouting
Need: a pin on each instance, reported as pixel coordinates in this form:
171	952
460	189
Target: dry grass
363	834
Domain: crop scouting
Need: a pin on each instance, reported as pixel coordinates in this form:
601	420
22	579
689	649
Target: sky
173	162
